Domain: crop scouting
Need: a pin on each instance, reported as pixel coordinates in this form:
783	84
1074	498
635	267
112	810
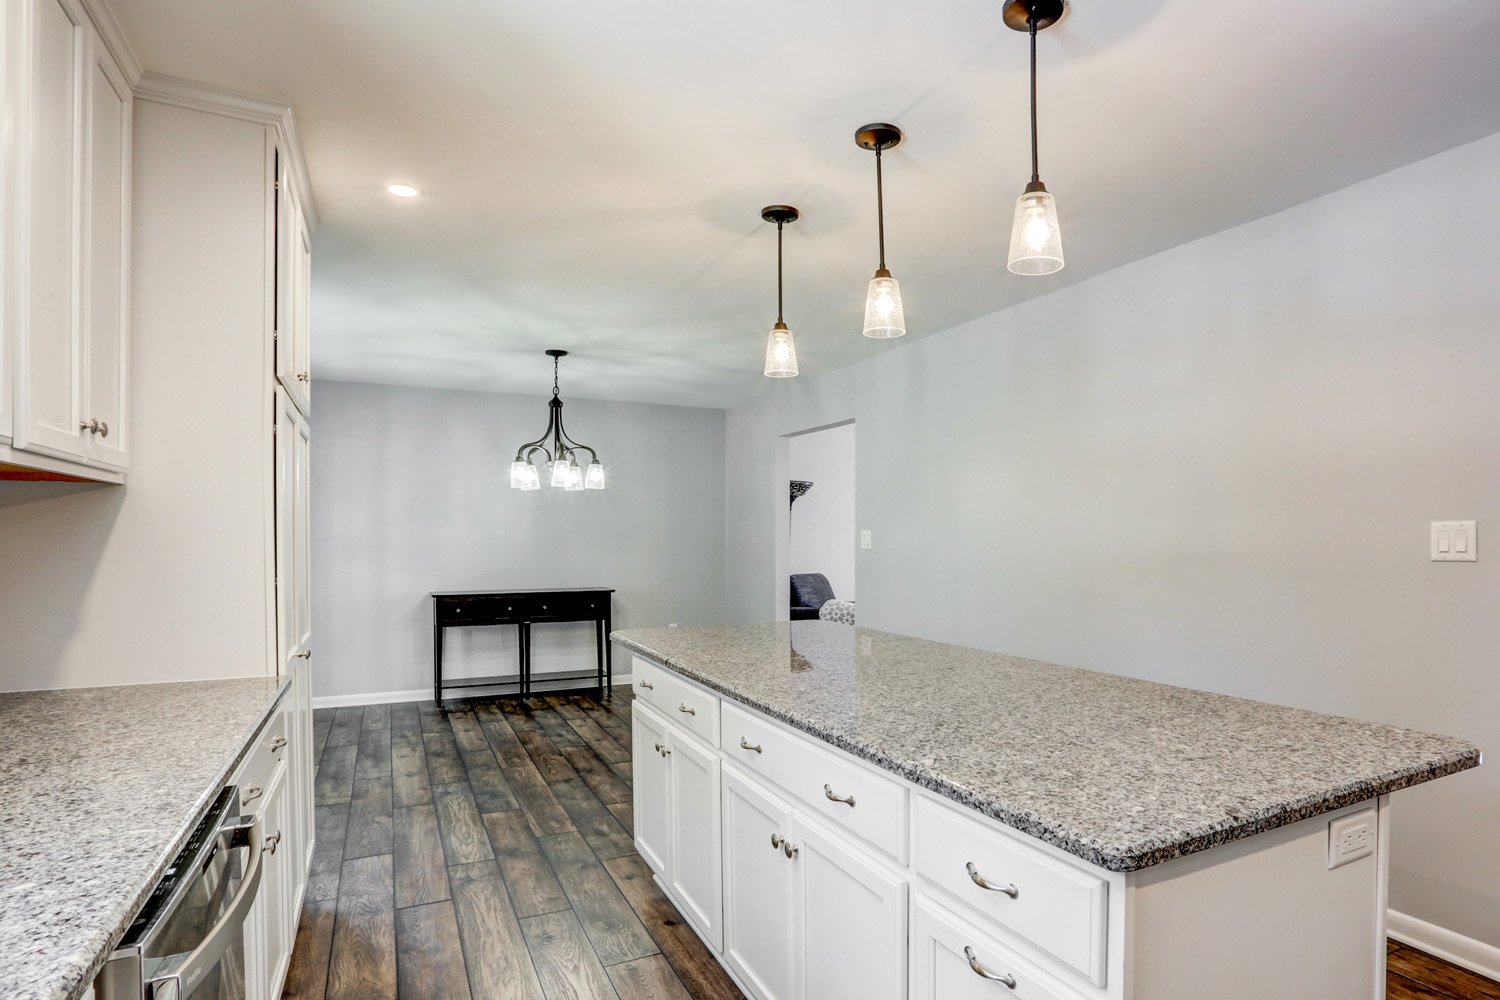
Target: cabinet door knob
847	800
648	685
272	842
88	425
659	747
1006	980
984	883
277	743
103	429
687	711
747	745
789	849
776	840
303	376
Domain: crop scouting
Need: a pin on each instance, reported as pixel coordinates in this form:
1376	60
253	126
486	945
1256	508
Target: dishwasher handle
239	832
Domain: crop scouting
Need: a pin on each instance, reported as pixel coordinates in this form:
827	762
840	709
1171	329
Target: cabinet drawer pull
250	794
747	745
648	685
847	800
776	840
272	842
303	376
984	883
88	425
687	711
277	743
789	849
103	429
303	654
1006	980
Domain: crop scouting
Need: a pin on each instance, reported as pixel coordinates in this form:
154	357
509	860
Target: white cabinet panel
651	792
293	289
758	886
850	920
293	524
49	393
107	252
696	850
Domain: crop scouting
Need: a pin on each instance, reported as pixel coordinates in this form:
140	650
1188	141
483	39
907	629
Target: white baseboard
1451	946
392	697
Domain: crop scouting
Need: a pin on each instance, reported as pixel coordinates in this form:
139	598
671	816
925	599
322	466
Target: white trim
1450	946
202	97
108	26
392	697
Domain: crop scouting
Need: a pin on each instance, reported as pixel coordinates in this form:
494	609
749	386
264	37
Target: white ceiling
594	170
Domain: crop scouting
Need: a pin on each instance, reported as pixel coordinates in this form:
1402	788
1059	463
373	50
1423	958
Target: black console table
522	608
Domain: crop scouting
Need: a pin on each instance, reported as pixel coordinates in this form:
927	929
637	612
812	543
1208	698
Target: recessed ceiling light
403	191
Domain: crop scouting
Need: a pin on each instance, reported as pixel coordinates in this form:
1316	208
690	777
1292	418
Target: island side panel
1262	917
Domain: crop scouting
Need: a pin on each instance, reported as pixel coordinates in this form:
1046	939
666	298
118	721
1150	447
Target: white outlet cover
1351	838
1455	541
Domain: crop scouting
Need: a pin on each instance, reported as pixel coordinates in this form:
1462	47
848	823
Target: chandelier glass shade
558	452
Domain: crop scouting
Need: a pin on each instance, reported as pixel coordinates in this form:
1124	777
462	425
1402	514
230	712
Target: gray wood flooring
481	850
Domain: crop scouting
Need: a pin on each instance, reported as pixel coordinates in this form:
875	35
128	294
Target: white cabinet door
953	960
293	288
106	256
693	773
651	803
758	935
49	363
849	920
268	947
293	524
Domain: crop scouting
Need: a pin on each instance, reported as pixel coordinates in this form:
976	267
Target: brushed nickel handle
103	429
847	800
776	840
647	685
984	883
660	747
789	849
303	376
250	794
277	743
1006	980
687	711
303	654
88	425
667	752
746	745
272	842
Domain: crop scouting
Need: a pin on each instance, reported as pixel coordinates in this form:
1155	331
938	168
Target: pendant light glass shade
781	352
520	474
575	478
594	478
559	473
1035	239
884	316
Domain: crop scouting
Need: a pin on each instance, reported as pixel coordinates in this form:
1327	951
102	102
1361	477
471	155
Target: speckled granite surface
1123	773
99	787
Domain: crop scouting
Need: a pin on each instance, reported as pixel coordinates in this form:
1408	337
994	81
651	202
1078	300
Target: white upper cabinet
293	290
67	222
293	576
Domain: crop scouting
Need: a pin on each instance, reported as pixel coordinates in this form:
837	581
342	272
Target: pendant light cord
1031	21
880	205
779	317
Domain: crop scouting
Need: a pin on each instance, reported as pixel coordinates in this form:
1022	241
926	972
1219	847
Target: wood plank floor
481	850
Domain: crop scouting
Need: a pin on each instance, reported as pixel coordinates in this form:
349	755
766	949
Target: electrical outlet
1351	838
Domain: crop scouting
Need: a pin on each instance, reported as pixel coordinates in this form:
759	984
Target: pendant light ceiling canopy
558	450
884	316
781	349
1035	239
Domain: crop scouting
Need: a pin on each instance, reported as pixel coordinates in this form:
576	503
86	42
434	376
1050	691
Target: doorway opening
819	540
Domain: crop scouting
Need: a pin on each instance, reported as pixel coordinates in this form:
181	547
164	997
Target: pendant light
1035	239
781	350
559	450
884	317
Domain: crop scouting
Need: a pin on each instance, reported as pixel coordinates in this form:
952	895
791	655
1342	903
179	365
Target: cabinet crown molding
108	26
235	104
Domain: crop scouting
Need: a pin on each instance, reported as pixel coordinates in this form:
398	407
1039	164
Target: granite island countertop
99	788
1122	773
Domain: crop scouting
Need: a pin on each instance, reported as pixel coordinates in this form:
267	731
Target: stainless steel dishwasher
188	940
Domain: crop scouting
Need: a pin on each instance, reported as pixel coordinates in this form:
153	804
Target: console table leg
437	663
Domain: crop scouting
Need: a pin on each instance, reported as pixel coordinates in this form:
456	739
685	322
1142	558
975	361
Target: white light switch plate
864	539
1455	541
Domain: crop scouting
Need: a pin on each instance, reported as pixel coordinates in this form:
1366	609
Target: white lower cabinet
652	808
951	960
757	888
694	873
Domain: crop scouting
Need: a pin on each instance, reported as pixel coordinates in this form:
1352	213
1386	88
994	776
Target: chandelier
558	449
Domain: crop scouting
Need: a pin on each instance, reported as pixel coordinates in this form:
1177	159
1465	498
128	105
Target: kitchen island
841	812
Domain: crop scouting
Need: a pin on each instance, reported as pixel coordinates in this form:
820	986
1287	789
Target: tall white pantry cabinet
222	264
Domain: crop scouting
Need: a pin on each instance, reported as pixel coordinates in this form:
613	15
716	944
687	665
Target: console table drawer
482	610
1059	908
567	607
852	795
686	704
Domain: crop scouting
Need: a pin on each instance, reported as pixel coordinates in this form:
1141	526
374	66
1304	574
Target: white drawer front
256	771
681	701
941	969
1059	908
868	803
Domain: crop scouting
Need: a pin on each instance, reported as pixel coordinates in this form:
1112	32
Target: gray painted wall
410	493
1213	467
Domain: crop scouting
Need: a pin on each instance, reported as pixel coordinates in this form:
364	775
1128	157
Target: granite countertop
99	789
1123	773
